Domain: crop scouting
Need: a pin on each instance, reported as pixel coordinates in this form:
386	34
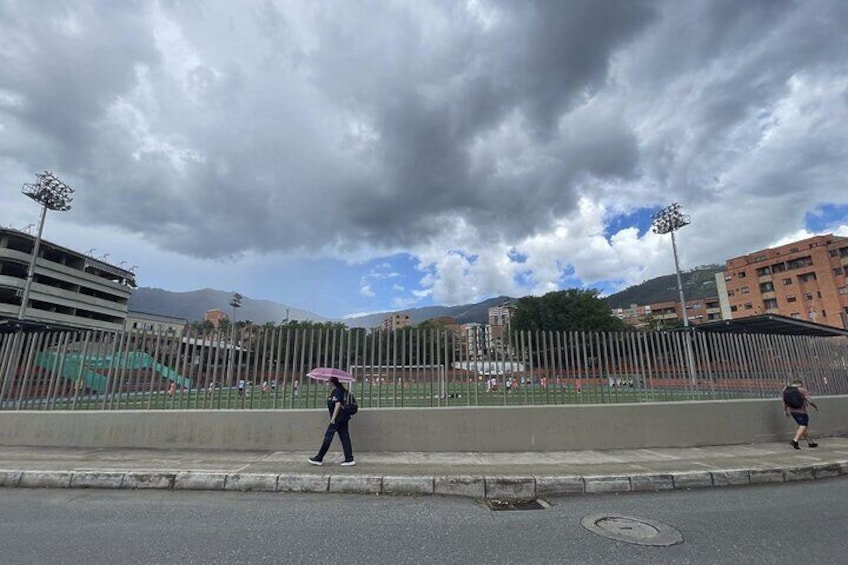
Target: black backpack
792	397
349	405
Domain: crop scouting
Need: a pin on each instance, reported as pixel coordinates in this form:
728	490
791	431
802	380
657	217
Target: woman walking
339	420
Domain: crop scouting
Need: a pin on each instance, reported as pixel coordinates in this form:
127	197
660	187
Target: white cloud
222	145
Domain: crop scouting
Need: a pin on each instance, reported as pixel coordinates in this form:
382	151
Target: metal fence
261	367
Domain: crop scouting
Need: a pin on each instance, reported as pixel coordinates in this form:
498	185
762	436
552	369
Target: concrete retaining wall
489	429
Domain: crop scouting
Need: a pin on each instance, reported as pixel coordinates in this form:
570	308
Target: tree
565	310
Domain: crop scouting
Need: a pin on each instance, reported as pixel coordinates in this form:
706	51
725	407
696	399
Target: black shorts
802	418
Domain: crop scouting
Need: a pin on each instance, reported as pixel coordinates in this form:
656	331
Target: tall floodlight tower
669	220
52	194
235	302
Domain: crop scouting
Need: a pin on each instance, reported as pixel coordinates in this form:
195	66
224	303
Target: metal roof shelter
771	324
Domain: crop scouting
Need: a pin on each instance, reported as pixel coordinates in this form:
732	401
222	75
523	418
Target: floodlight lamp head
50	192
669	219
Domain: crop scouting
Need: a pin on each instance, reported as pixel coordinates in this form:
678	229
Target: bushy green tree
565	310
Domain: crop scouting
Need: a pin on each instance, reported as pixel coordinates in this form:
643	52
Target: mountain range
192	306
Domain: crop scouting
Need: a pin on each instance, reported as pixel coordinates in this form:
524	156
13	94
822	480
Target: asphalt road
786	523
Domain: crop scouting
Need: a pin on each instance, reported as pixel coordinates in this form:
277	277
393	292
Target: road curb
479	487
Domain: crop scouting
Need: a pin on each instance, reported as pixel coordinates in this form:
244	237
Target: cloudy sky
370	155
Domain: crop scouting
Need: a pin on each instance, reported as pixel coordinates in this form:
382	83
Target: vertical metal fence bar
42	370
57	384
27	389
770	373
8	364
79	381
280	363
142	360
819	364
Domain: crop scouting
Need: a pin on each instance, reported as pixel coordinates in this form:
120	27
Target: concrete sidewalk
478	475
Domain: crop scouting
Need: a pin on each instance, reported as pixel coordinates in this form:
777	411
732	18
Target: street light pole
52	194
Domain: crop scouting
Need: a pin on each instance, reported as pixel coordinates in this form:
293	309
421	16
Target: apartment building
804	280
215	317
664	314
68	288
396	322
500	315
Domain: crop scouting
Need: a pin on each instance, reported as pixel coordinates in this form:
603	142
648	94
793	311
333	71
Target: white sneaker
350	463
314	461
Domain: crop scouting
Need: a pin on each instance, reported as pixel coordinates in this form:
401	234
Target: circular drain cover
640	531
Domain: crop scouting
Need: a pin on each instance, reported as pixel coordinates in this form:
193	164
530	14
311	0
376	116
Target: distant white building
154	323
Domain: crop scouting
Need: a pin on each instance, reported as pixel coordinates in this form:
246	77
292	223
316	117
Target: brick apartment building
804	280
215	316
664	314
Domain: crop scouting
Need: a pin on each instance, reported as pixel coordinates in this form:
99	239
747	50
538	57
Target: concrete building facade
396	322
68	289
805	280
155	323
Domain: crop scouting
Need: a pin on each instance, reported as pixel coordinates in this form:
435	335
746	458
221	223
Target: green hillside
697	283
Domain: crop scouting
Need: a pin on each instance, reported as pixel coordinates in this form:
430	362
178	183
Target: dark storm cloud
217	128
532	64
66	64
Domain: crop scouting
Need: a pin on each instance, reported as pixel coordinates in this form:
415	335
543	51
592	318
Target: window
843	252
808	295
744	290
766	287
787	282
778	268
759	258
800	262
791	298
833	252
807	277
838	272
741	275
734	308
731	293
793	250
748	306
796	315
764	271
824	314
843	290
770	303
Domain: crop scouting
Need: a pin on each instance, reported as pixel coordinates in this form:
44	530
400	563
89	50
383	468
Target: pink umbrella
324	374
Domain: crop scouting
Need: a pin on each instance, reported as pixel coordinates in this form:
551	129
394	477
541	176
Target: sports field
415	395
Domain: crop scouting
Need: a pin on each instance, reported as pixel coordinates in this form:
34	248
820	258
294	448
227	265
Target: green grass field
313	395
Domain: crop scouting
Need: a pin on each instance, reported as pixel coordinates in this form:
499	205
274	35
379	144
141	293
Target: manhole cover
495	504
640	531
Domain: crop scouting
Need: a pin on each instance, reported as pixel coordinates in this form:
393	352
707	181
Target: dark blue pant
339	427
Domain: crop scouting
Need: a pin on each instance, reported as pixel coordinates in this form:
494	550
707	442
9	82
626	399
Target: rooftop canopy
771	324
